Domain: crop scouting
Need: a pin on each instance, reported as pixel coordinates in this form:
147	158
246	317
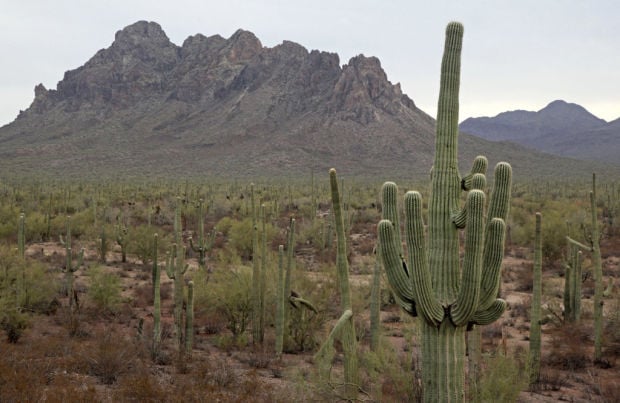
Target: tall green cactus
156	301
69	267
535	319
21	236
189	320
432	283
121	238
572	284
344	328
175	269
257	335
375	301
204	243
280	324
595	239
290	267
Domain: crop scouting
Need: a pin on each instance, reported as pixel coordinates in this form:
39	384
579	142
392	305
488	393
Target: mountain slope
560	128
228	107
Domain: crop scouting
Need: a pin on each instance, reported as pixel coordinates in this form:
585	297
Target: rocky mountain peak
139	33
363	84
243	46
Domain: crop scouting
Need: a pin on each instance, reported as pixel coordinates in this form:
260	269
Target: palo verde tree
450	297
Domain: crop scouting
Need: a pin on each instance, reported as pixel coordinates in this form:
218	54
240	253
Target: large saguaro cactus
449	297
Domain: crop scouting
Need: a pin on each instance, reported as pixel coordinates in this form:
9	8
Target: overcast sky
516	54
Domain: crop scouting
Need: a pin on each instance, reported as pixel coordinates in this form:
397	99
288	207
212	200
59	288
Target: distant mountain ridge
560	128
230	107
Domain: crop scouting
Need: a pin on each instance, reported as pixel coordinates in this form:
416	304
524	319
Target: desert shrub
18	375
111	357
13	322
139	387
390	376
228	295
502	380
140	242
569	350
240	236
25	287
104	290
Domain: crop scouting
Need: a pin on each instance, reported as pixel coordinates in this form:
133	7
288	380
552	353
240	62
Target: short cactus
432	283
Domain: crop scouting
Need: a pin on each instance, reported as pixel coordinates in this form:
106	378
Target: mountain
560	128
229	107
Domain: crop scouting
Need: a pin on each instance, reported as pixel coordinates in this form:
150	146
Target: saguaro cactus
69	267
204	244
21	236
344	328
189	320
175	269
595	239
280	303
156	301
432	284
536	301
572	284
375	302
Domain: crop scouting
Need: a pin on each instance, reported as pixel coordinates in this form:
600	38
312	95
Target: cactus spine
432	284
344	327
535	319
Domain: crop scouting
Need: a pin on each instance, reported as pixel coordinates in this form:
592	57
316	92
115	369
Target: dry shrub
569	347
110	357
212	323
549	379
64	388
524	278
143	296
609	392
18	375
139	387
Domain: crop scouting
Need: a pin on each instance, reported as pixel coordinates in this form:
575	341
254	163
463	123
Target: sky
516	54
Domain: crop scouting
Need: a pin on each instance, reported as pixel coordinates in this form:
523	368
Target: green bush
104	290
226	294
502	380
140	243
